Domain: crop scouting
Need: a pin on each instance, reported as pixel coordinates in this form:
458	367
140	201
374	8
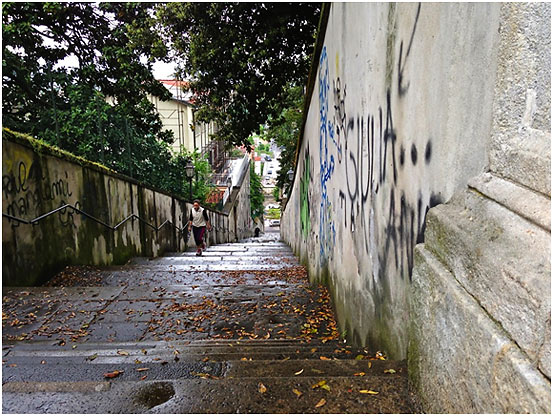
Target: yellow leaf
262	389
299	372
297	392
368	392
326	387
370	364
324	358
321	403
142	369
319	384
361	374
390	371
360	357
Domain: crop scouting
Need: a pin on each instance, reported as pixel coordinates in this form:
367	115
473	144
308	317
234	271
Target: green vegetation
273	214
241	57
256	194
276	193
78	76
284	129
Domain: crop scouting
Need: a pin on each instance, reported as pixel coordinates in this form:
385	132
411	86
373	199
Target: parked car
268	158
274	223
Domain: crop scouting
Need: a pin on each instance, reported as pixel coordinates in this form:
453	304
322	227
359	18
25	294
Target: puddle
154	394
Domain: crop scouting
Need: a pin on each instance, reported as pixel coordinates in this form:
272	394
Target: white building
177	115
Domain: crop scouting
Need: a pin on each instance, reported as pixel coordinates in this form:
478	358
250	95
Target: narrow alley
239	330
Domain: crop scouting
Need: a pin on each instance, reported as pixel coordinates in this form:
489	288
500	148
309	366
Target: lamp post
189	171
290	175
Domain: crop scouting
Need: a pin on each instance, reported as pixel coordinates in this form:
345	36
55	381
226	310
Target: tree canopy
241	57
78	75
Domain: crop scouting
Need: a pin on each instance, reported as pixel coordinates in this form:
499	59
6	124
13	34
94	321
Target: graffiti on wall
305	180
372	156
25	189
327	230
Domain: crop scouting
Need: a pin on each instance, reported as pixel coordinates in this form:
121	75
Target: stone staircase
239	330
481	299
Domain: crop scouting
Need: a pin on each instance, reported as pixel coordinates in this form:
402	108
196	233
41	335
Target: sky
163	70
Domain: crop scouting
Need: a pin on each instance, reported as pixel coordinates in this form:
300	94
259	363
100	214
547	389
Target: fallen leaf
319	384
113	374
390	371
370	364
142	369
206	359
321	403
143	377
43	362
324	358
262	389
368	392
299	372
361	374
92	357
122	353
360	357
297	392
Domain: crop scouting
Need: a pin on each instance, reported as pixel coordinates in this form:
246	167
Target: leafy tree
240	57
284	129
98	107
276	193
257	197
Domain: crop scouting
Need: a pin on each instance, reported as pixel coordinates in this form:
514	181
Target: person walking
198	223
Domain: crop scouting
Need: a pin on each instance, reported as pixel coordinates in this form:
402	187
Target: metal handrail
113	228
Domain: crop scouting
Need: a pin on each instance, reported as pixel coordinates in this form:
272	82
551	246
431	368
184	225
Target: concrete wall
238	205
36	181
480	317
399	119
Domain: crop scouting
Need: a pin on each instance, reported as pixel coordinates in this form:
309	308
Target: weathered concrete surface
483	279
459	358
481	248
399	119
37	182
521	137
188	341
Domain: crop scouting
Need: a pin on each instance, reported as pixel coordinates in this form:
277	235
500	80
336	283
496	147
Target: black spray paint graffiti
371	160
27	188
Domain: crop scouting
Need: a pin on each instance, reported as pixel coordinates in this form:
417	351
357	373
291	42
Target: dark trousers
199	233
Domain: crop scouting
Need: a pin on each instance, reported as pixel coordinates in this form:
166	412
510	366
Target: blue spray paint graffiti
327	231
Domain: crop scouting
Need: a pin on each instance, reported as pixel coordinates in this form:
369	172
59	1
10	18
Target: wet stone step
250	395
71	369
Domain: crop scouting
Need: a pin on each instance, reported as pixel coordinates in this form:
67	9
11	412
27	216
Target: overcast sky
163	70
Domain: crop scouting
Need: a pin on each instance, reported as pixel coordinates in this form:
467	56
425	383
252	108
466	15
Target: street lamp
290	175
189	171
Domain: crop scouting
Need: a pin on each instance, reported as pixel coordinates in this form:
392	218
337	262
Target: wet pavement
238	330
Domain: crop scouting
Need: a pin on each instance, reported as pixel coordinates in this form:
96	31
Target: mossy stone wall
37	179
